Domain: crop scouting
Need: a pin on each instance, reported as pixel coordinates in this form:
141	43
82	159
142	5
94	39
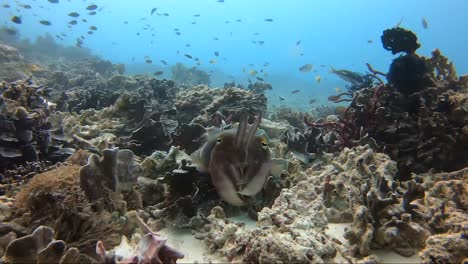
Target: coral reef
151	248
40	247
103	180
259	87
357	187
388	162
26	135
416	118
200	103
293	117
189	76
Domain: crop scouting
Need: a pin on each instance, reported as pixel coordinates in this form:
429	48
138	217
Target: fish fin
197	160
278	166
304	157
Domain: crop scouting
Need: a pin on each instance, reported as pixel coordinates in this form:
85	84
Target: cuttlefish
238	160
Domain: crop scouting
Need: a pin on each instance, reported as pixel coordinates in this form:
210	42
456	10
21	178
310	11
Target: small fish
312	101
253	72
295	91
216	53
298	42
239	20
216	38
193	23
220	1
269	19
74	14
26	6
370	41
178	33
6	5
399	23
318	78
73	22
153	10
16	19
163	62
260	79
45	22
196	15
338	90
158	73
281	98
91	7
187	45
166	14
90	32
54	1
213	61
349	76
92	13
424	22
148	61
306	68
93	28
125	22
188	56
84	20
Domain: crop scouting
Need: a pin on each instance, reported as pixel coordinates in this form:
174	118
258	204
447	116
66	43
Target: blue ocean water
342	34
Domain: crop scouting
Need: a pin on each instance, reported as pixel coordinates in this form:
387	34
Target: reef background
95	163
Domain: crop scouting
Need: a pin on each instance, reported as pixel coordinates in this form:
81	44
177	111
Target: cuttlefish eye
263	142
219	140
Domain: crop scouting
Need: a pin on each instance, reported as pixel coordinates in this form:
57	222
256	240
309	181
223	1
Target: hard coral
25	133
41	247
104	180
190	76
200	103
420	129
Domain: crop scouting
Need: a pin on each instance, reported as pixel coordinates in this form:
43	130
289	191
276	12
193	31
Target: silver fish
238	161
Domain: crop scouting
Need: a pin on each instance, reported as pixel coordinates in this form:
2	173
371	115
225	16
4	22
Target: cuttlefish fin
278	166
196	159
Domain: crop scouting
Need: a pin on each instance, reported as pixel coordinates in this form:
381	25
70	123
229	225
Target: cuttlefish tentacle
246	141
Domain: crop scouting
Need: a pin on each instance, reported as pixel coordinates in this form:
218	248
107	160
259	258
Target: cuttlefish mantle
238	161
